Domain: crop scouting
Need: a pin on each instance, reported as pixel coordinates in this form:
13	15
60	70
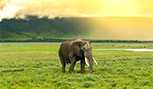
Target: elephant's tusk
86	61
94	60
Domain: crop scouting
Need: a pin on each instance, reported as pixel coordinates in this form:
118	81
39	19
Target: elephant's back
65	46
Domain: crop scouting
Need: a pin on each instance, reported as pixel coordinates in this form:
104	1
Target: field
37	66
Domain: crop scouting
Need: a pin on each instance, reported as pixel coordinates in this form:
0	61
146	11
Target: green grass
37	66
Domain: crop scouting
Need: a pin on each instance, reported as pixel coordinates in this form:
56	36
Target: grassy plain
37	66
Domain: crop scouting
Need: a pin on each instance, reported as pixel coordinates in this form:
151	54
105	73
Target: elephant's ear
76	49
89	42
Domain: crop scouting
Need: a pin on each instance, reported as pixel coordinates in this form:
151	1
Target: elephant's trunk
88	55
91	64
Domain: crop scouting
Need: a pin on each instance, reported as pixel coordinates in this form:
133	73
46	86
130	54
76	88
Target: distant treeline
94	41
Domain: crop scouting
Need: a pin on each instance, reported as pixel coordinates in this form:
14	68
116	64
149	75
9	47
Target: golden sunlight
77	8
129	8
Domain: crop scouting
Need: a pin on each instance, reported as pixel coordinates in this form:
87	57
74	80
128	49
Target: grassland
37	66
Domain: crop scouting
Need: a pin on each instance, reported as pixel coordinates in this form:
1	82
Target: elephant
72	51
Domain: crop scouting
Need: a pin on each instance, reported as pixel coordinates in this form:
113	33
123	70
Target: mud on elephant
72	51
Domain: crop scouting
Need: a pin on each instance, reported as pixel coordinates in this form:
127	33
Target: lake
142	50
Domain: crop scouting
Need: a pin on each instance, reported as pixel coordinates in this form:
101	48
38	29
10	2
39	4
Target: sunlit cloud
9	12
75	8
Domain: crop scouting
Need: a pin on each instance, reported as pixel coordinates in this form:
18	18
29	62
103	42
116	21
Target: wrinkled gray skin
72	51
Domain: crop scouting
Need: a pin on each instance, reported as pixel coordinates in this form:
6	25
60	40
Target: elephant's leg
82	65
63	65
72	65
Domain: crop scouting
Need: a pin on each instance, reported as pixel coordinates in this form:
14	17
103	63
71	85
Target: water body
138	50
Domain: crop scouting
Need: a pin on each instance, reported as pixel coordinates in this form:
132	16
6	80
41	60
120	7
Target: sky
75	8
121	28
89	8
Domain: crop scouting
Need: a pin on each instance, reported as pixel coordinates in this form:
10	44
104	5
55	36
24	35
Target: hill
99	28
34	28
